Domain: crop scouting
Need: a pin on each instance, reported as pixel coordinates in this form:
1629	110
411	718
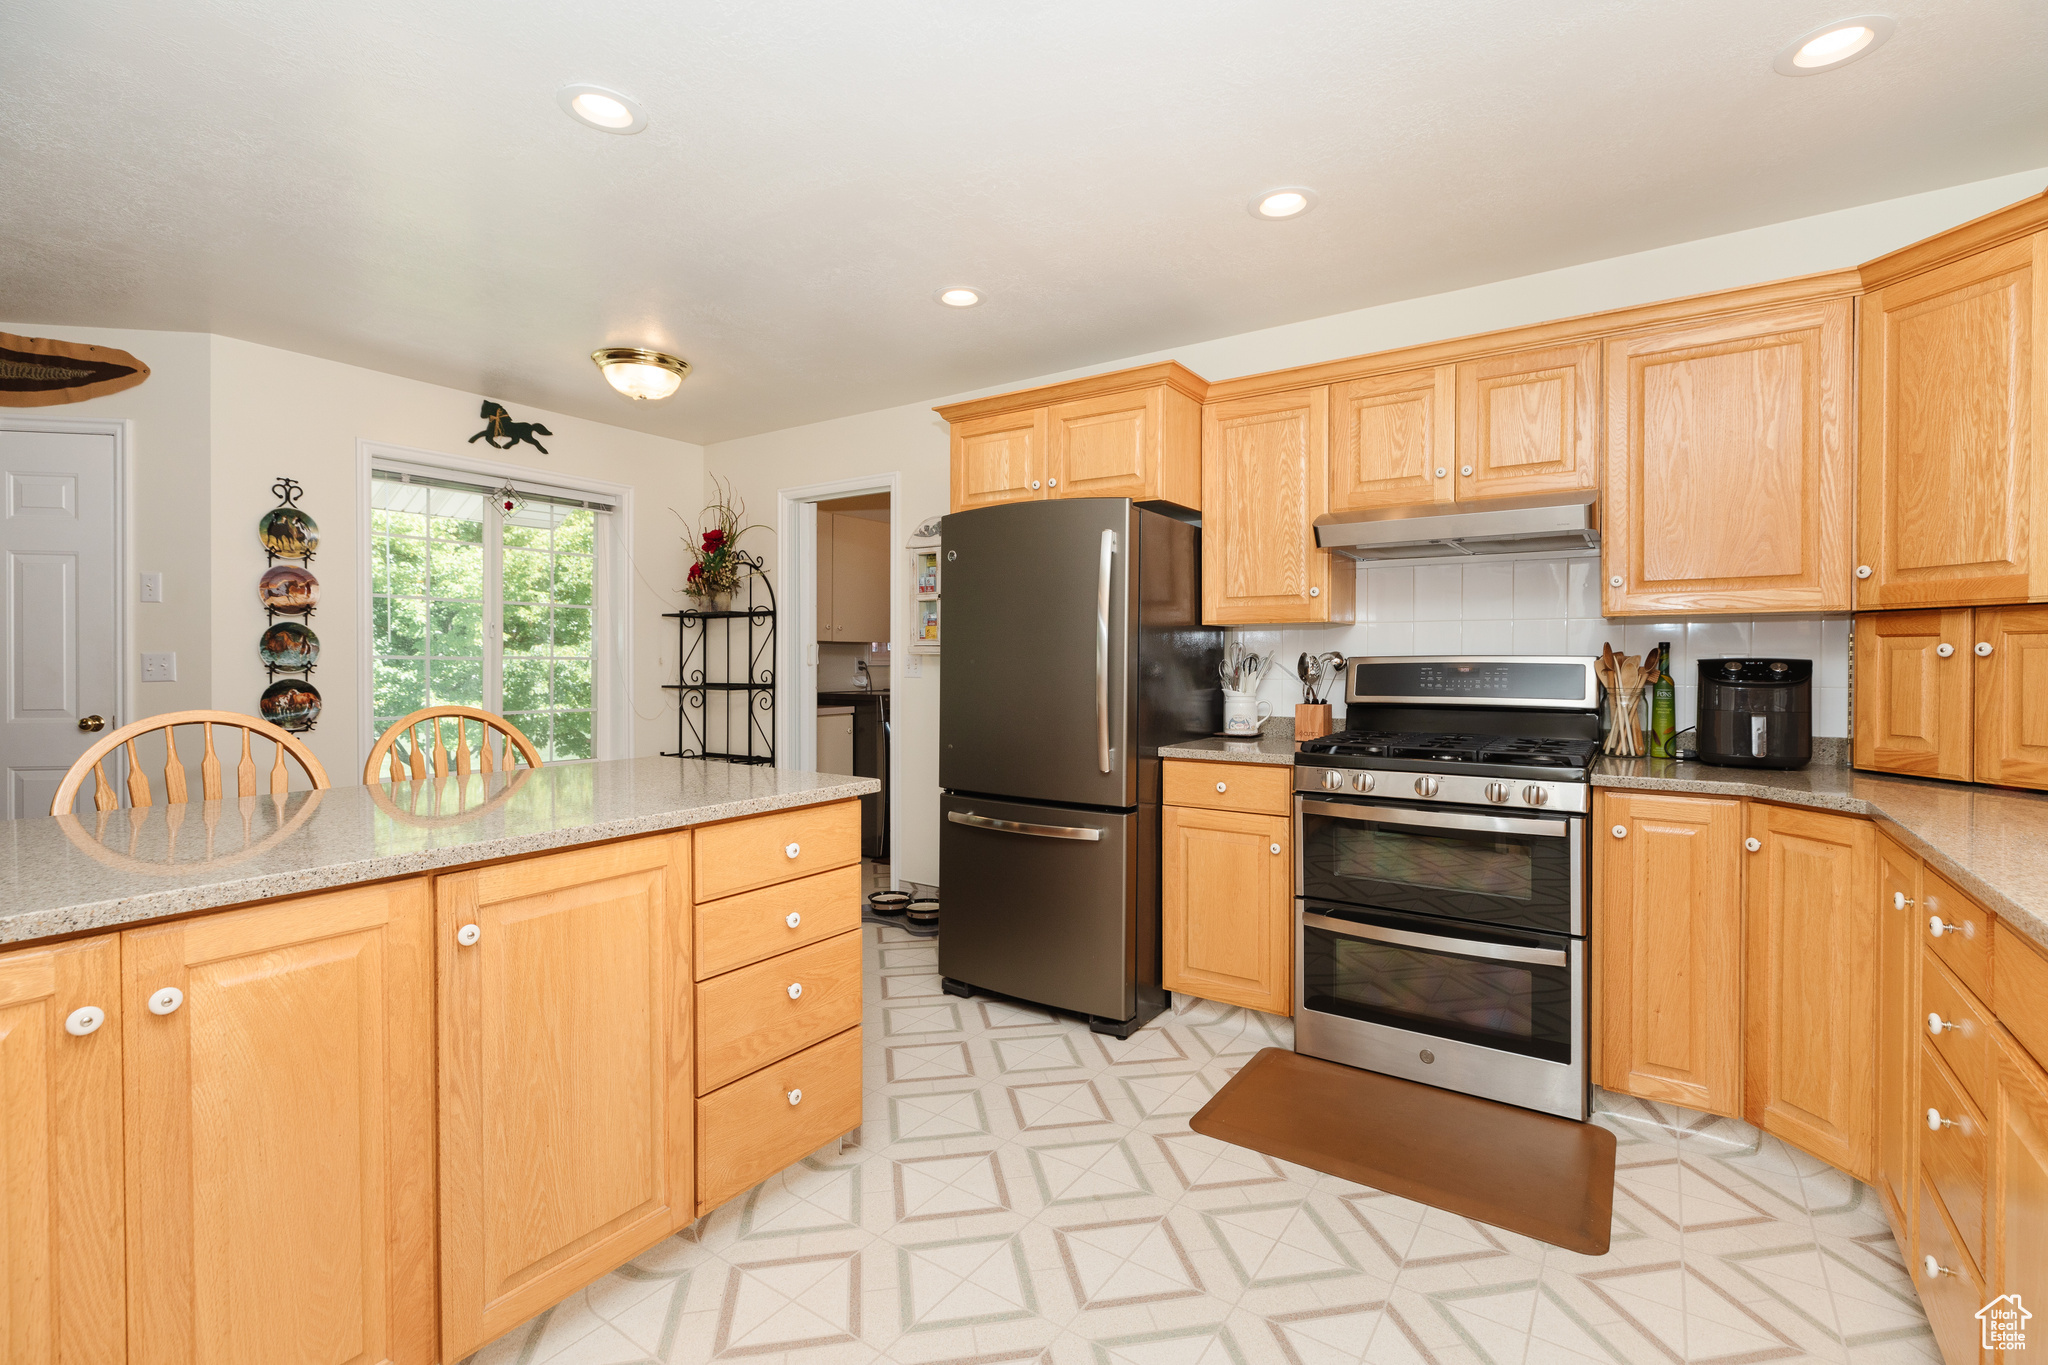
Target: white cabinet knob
1466	470
1935	1122
793	919
166	1001
1900	900
791	851
796	990
1936	1025
1934	1269
1442	472
1052	483
1034	483
1614	581
1318	592
1620	831
796	1097
467	935
1944	649
1983	649
1937	926
1220	787
1753	845
1863	571
83	1020
1272	848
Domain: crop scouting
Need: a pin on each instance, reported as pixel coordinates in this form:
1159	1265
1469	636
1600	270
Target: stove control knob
1535	795
1333	781
1427	786
1498	792
1361	782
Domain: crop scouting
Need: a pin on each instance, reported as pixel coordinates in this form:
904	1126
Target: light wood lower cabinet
1671	948
1227	908
1898	1029
755	1015
280	1124
1810	987
2019	1192
62	1297
565	1091
755	1126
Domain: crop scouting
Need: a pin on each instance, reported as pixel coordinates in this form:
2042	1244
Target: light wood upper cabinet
1810	988
998	459
61	1294
1728	465
565	1079
281	1133
1950	494
1671	949
1898	1039
2012	695
1914	684
1393	440
1529	422
1227	907
1265	477
1144	444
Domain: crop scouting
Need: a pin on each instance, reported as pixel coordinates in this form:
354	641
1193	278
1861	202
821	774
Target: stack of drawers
1957	1069
778	982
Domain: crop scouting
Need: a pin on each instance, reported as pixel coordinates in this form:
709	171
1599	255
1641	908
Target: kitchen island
405	1065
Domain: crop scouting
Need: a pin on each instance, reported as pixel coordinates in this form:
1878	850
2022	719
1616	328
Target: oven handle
1430	819
1464	947
1020	827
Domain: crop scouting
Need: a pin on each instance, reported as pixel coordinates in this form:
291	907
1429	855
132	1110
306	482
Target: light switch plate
152	587
160	667
913	665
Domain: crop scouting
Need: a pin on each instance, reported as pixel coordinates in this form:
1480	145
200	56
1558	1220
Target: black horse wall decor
502	433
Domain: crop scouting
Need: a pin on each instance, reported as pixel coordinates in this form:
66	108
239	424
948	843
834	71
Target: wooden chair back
415	750
176	789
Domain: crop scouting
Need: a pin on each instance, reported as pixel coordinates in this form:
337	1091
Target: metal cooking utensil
1333	669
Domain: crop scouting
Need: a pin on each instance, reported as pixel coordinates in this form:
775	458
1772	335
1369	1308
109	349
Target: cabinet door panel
1956	1161
1529	422
1953	1293
761	1123
1898	1025
1265	479
999	459
1913	703
1393	440
1228	907
1727	482
1671	896
1106	447
860	579
61	1293
2012	696
1948	494
1810	991
280	1185
565	1075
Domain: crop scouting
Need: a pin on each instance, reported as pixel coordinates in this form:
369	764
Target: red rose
696	572
714	538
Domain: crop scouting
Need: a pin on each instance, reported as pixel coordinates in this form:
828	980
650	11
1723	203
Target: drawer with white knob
749	1017
1957	1026
757	1125
753	925
1954	1151
1255	788
1950	1288
761	850
1958	931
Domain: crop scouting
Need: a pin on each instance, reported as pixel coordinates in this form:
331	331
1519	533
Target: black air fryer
1756	713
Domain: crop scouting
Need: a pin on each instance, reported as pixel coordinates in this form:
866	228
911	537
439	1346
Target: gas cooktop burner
1453	748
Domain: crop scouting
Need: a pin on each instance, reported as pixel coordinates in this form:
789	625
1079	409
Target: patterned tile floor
1025	1190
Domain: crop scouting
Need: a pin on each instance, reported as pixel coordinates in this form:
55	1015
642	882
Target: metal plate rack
728	676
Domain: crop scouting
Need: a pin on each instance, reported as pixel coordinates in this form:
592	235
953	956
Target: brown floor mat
1544	1177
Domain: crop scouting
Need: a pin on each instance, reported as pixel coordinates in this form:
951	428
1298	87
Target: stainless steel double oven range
1442	876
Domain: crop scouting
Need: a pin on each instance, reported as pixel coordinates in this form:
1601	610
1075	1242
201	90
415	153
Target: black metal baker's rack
738	644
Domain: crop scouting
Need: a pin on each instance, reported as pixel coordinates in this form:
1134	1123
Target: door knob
92	724
1466	470
1619	831
1983	649
468	934
1752	844
1272	848
166	1001
793	919
791	851
1442	472
796	1097
83	1020
1944	649
1318	592
1052	483
1900	900
1937	926
1614	581
1863	571
1937	1025
796	990
1935	1122
1934	1269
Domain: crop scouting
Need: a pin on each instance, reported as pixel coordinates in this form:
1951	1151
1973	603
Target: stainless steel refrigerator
1074	649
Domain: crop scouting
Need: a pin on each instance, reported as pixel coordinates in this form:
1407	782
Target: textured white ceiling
390	182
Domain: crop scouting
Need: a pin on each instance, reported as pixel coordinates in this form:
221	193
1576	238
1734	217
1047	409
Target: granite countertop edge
128	911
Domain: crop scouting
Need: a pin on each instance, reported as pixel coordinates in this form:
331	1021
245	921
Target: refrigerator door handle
1102	754
959	817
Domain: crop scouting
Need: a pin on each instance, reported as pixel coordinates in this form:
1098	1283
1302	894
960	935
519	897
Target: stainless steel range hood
1558	521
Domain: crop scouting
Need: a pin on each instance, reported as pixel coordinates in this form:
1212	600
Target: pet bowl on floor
888	902
922	913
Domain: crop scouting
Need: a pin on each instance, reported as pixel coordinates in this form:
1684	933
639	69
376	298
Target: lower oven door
1500	1015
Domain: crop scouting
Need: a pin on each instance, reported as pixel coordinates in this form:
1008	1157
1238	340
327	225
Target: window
473	605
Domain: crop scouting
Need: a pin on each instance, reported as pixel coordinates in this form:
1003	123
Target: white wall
911	440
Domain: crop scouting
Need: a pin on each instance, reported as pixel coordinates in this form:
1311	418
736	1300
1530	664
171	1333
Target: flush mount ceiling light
1287	203
1834	45
959	296
605	110
647	376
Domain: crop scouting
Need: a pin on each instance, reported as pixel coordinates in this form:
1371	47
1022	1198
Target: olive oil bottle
1663	705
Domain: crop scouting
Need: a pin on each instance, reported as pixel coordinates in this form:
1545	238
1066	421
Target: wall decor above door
38	372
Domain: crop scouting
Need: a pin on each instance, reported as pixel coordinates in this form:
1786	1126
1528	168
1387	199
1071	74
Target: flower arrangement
716	564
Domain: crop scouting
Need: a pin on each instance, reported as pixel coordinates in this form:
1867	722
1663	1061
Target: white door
59	535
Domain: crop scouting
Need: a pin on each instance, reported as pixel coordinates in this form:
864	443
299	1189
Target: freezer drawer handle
1464	947
1102	650
961	817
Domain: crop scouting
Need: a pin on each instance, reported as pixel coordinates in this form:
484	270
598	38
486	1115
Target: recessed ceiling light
648	376
605	110
1834	45
1287	203
959	297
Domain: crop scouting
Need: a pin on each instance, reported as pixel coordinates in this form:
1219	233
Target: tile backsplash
1546	605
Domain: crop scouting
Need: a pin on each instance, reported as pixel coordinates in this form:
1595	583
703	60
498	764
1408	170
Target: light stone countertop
1275	744
73	874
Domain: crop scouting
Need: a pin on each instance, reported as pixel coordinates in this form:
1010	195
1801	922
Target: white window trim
612	631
